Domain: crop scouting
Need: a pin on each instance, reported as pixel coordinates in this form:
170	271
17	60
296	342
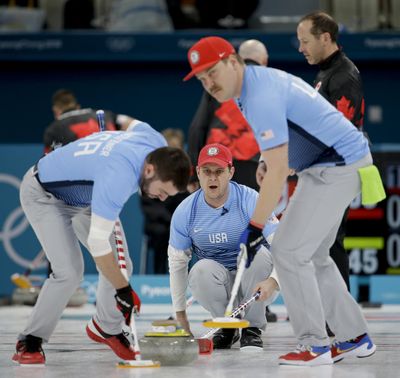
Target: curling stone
25	296
28	296
169	348
79	298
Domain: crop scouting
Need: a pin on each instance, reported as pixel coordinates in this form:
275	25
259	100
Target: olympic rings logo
11	230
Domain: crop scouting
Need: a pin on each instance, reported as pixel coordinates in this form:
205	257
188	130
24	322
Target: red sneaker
307	355
118	343
29	352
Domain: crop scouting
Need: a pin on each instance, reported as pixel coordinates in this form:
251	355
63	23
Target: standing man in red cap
224	123
329	156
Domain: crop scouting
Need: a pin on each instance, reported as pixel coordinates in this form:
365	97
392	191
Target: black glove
252	237
127	301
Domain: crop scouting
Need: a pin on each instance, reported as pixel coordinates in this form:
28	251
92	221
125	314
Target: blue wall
153	93
148	92
141	75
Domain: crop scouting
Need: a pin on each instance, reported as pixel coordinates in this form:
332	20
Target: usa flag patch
267	135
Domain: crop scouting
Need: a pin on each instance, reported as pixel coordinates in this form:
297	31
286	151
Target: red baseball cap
207	52
215	153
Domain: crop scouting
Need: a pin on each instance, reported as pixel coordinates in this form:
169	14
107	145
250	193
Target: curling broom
227	321
138	362
205	344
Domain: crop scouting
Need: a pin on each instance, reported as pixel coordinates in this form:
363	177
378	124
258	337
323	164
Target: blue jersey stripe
74	193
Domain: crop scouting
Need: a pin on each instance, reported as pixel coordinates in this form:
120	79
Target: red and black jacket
73	125
340	83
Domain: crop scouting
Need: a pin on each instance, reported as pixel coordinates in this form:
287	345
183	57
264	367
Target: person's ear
233	61
149	171
326	37
232	172
198	171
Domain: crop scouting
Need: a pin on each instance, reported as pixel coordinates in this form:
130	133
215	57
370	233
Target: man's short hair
322	23
64	99
171	164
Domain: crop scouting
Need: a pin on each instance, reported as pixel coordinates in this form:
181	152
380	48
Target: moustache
215	89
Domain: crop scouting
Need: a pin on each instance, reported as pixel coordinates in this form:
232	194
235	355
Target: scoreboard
373	232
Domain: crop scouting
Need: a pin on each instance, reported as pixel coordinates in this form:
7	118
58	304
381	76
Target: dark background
145	80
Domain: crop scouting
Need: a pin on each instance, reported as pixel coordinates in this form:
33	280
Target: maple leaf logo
237	134
343	105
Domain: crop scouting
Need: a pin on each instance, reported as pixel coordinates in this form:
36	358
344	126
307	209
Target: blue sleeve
250	197
266	113
111	194
179	231
249	200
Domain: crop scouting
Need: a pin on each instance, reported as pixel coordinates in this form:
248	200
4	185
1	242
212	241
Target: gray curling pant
58	228
107	315
211	284
312	286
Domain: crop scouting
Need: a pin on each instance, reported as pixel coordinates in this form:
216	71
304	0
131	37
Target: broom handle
238	278
122	266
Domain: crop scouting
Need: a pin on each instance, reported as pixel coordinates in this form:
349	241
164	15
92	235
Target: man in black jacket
340	83
72	122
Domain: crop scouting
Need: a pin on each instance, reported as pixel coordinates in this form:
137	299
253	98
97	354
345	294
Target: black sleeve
346	94
199	127
157	217
55	134
58	133
48	138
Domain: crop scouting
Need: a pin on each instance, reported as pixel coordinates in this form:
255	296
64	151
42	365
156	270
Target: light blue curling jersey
318	134
102	170
214	233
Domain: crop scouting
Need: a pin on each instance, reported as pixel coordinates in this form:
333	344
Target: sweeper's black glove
252	237
127	301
